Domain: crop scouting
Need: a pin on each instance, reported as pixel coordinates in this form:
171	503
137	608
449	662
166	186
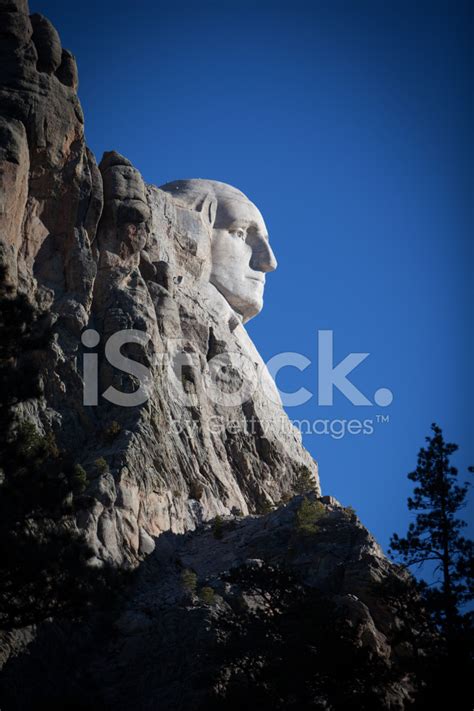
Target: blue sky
349	125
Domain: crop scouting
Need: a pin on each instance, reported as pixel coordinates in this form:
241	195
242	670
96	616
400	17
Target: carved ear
208	208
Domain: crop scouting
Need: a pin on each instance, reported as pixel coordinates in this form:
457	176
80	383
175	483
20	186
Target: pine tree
435	537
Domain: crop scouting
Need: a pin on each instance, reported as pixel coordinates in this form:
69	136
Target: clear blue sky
350	126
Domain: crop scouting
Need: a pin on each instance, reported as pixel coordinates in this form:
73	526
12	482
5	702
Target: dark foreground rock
288	610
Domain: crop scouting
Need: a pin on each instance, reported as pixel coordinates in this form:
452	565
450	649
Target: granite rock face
102	251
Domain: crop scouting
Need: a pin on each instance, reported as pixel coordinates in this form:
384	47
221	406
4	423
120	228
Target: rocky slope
215	601
286	610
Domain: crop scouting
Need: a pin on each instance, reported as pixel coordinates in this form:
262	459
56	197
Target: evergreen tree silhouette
435	537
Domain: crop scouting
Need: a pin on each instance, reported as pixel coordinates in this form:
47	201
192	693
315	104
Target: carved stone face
241	254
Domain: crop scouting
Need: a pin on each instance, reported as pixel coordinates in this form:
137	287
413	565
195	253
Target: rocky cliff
100	250
180	484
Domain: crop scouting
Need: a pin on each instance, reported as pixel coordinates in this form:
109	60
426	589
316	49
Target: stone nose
263	259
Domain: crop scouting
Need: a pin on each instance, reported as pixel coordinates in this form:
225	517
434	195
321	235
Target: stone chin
245	297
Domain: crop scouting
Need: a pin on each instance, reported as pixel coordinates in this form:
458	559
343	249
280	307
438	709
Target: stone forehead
192	189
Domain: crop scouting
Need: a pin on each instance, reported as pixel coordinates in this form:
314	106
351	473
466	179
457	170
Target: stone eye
239	233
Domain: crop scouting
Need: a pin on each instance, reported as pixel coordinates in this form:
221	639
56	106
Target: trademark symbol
382	418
